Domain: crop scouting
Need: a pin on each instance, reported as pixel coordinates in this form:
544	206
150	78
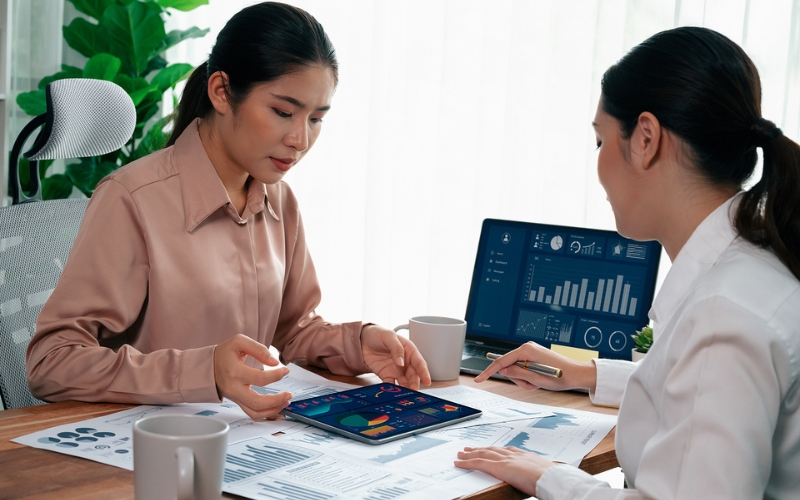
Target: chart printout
287	460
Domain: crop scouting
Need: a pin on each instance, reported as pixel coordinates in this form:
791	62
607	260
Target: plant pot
636	355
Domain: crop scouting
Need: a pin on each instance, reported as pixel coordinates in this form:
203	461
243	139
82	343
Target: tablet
379	413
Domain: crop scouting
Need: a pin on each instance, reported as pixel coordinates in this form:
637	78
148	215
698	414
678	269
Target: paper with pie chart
379	413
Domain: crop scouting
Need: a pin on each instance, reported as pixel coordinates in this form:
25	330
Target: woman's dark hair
703	87
259	44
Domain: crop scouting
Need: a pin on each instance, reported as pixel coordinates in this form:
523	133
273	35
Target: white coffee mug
440	341
179	456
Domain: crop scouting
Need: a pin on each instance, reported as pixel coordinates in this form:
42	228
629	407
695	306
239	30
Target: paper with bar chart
309	463
556	438
285	460
270	467
108	439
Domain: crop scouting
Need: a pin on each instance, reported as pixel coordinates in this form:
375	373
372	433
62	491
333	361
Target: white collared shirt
713	410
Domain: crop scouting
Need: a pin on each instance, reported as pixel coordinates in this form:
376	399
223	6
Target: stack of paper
282	459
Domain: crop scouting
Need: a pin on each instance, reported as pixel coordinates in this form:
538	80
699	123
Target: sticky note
575	353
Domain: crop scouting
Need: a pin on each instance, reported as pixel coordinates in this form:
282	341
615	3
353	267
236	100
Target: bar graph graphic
386	493
254	460
284	490
569	283
406	449
316	438
474	434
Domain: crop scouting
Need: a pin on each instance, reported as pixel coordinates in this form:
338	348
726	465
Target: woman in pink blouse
191	261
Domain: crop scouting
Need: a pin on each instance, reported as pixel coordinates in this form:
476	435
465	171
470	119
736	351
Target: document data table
29	472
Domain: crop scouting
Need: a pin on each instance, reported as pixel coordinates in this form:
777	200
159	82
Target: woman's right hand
576	374
234	378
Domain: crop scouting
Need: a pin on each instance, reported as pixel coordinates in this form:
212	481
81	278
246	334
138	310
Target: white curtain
36	49
449	112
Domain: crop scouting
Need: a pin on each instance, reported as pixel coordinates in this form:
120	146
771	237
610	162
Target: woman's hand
521	469
393	358
234	378
576	375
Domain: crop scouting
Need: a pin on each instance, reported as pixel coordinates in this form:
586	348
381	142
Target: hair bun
764	131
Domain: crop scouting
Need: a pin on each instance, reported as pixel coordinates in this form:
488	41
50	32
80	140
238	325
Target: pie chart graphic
556	243
362	419
321	408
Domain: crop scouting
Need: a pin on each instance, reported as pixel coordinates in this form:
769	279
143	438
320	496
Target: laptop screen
584	288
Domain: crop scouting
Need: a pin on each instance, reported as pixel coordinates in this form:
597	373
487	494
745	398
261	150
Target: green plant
126	45
643	339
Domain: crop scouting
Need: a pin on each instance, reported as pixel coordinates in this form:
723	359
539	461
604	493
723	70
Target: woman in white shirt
713	411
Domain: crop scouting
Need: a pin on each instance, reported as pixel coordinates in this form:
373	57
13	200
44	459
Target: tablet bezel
380	440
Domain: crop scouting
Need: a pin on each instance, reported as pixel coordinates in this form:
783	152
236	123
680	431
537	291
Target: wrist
364	327
579	375
585	376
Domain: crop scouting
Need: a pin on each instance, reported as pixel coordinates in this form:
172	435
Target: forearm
334	347
64	370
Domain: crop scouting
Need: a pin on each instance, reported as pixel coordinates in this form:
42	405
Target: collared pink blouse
163	269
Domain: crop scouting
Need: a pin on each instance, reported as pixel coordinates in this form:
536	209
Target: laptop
557	285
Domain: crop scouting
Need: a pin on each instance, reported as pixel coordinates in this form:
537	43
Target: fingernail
401	361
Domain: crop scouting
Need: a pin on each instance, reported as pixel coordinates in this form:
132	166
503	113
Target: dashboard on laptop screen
577	287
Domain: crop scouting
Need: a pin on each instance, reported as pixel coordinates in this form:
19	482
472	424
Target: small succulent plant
643	339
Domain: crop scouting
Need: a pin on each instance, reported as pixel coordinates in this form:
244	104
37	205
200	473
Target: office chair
84	117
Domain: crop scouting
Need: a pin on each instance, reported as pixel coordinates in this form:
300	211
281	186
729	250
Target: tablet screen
379	413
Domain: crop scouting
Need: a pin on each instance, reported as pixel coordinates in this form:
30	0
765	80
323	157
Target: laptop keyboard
479	351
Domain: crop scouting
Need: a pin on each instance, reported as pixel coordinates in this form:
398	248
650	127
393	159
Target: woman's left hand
393	358
521	469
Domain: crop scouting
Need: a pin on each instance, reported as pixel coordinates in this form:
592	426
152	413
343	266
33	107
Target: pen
532	367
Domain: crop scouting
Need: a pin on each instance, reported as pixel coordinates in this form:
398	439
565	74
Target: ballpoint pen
532	367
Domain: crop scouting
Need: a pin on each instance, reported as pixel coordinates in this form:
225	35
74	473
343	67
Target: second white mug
179	456
440	340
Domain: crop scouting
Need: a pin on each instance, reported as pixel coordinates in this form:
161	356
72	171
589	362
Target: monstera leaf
124	42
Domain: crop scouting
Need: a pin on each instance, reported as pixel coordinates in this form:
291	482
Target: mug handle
401	327
185	458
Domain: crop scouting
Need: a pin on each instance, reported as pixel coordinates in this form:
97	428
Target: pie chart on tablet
365	419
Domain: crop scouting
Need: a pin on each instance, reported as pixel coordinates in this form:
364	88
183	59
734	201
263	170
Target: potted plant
125	42
643	340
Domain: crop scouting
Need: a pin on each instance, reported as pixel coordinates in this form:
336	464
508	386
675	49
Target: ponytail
769	213
706	90
194	102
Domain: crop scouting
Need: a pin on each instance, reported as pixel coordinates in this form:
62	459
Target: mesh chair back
35	240
85	117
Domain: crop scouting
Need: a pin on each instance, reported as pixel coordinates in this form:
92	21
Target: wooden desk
28	472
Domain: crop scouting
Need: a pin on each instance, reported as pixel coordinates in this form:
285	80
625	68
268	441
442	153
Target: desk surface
29	472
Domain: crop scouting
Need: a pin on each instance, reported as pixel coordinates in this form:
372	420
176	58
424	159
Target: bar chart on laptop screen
561	283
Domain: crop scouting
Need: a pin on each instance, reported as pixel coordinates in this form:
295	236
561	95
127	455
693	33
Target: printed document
282	459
